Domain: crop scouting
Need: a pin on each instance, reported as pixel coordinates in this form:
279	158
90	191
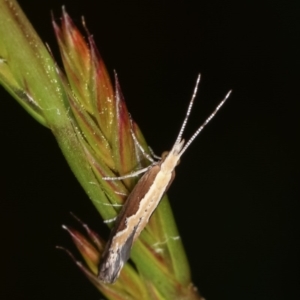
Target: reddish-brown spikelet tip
87	250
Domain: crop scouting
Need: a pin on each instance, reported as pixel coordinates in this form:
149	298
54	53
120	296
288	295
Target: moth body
135	214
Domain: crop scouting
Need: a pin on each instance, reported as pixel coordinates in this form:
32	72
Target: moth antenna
137	143
205	123
188	111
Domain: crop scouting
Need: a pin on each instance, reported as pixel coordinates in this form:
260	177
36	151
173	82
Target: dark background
236	194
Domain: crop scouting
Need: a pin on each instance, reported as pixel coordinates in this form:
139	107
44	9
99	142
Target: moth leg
145	154
153	154
130	175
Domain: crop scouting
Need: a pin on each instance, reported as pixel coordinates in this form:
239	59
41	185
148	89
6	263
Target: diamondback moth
144	199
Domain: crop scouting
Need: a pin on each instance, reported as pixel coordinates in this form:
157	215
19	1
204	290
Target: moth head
174	152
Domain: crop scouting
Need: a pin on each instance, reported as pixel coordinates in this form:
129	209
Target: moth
144	199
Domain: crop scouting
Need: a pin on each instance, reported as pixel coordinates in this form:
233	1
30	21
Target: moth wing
132	203
117	252
110	268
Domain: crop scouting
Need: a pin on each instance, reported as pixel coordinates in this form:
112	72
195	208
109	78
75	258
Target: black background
236	194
